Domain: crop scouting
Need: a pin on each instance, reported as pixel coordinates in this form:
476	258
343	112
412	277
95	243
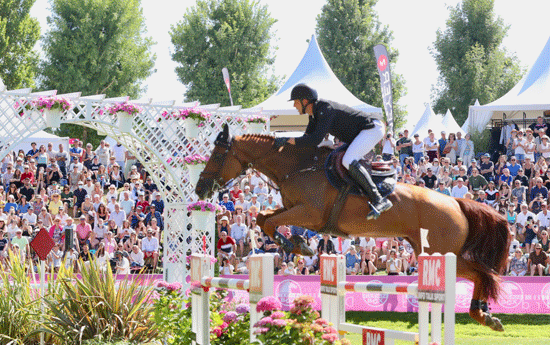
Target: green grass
519	329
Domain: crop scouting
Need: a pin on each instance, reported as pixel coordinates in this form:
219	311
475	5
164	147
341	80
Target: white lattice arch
160	145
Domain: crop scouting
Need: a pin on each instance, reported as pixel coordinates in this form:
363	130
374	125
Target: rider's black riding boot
362	177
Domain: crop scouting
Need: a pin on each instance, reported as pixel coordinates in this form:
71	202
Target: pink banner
520	295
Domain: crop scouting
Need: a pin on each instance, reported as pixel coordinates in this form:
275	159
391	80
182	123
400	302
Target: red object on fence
42	244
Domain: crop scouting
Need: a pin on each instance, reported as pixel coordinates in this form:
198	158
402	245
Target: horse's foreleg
298	216
266	214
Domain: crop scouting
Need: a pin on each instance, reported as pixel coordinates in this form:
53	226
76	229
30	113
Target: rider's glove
279	142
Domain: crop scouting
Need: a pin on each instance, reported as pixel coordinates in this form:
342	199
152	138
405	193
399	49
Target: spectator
353	261
539	188
261	191
326	246
239	233
228	204
393	264
150	247
136	259
538	260
388	147
429	179
460	189
158	203
123	264
404	146
517	264
226	247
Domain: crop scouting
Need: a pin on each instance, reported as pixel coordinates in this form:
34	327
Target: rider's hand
278	143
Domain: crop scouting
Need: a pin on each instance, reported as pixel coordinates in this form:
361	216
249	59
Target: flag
383	65
424	239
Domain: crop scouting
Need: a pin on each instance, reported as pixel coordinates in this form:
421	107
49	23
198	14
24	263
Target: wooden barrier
436	285
259	284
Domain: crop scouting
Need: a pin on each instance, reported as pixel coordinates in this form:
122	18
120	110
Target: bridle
219	158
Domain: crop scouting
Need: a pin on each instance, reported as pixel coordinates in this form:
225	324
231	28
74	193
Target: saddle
382	173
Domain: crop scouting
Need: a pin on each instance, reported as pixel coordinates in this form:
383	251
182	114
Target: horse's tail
487	244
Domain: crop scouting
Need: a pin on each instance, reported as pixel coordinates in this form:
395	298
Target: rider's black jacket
334	118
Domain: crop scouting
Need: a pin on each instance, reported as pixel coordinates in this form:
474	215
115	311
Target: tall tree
471	60
96	47
225	33
19	32
347	31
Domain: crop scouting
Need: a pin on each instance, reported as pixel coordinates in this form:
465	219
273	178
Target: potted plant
53	108
194	119
202	213
256	124
195	165
125	112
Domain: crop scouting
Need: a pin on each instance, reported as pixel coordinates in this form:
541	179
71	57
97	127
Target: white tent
531	96
449	122
43	138
428	120
314	71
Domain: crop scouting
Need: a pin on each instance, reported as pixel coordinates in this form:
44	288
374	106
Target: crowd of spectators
516	185
94	203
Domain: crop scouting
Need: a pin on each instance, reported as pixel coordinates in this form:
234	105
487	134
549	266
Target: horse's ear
223	137
226	130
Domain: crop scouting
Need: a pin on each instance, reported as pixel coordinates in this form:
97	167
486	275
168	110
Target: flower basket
191	128
53	118
202	214
125	121
125	114
255	128
194	172
53	108
201	220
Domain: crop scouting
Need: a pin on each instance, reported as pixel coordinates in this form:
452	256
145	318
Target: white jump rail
260	283
436	286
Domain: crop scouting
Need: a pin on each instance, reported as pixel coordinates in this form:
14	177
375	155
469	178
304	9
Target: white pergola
158	144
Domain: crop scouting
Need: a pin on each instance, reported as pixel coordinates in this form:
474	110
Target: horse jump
259	285
436	285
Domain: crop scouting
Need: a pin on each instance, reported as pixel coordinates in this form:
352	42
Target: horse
477	234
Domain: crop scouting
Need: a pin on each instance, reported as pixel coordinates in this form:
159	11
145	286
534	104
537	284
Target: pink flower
321	322
269	303
175	286
264	322
261	330
278	315
331	330
230	316
317	328
279	322
331	338
242	309
162	284
217	331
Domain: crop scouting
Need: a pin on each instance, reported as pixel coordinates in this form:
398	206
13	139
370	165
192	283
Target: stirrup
383	205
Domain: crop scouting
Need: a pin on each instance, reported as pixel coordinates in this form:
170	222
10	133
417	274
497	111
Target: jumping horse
475	232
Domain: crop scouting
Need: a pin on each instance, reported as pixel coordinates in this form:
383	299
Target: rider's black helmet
302	91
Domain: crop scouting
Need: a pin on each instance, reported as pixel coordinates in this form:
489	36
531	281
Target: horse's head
222	166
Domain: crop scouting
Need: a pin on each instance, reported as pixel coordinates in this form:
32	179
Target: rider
361	130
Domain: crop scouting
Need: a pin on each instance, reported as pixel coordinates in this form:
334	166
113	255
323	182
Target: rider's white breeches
364	142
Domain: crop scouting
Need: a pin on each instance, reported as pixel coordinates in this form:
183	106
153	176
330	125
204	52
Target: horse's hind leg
479	309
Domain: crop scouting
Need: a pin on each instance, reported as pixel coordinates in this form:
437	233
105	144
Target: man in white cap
460	189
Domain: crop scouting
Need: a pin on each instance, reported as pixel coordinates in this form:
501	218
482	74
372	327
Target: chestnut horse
475	232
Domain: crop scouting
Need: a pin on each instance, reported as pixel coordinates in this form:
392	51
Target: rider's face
299	106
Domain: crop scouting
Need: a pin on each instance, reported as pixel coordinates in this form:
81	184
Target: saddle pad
384	177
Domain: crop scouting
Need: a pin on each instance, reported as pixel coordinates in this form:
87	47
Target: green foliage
471	62
97	47
347	31
94	307
172	315
18	308
225	33
18	35
481	140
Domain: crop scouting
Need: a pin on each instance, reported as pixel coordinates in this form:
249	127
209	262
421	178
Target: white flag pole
225	74
42	293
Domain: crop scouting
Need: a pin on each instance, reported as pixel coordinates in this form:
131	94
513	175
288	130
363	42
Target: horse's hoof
493	323
283	242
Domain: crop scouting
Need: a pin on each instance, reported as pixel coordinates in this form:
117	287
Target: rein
220	158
